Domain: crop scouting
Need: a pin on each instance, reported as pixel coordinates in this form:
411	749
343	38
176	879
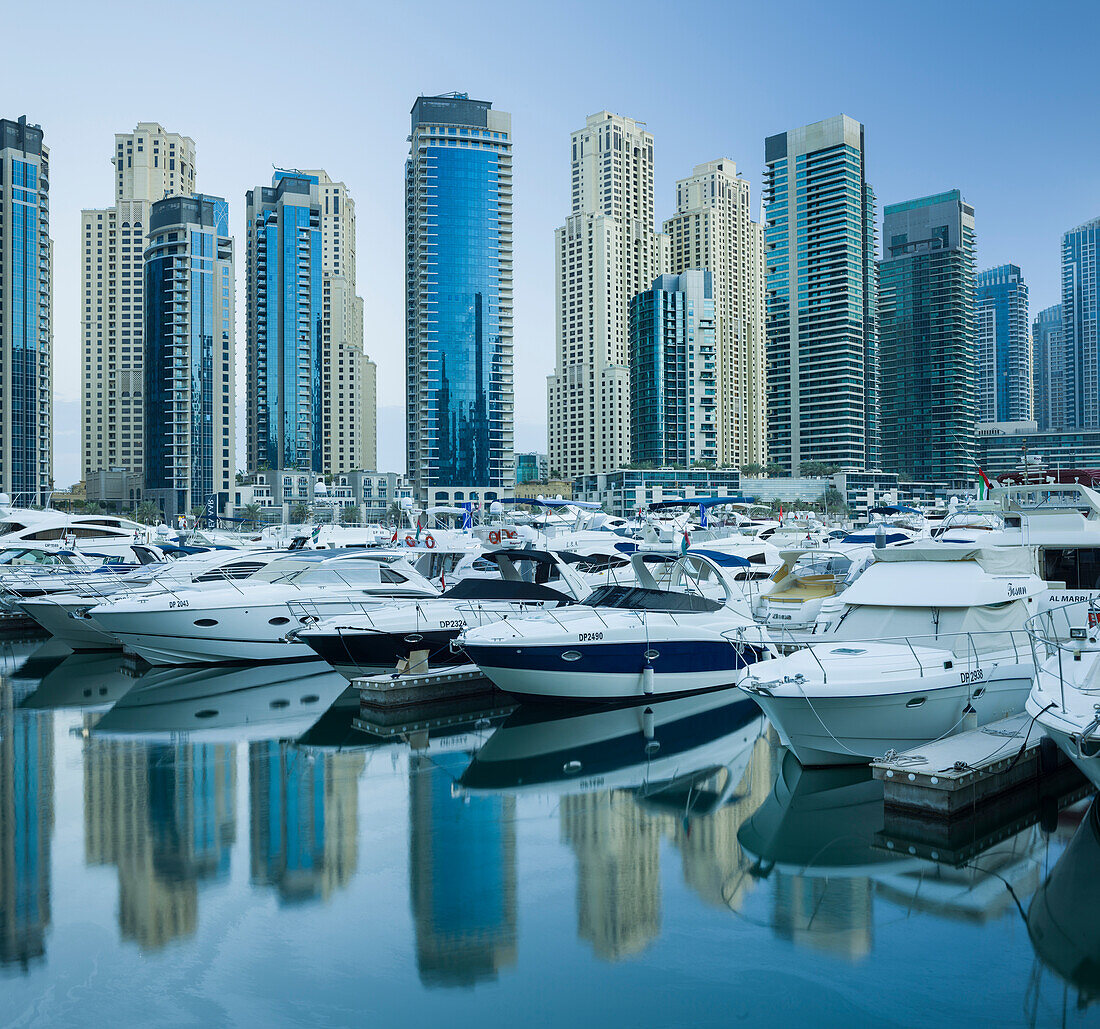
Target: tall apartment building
1052	387
284	353
674	400
822	345
712	228
606	252
1081	322
149	164
458	320
190	356
1003	346
348	376
26	314
926	334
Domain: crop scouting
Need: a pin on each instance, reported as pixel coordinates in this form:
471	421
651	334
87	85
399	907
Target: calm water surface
225	846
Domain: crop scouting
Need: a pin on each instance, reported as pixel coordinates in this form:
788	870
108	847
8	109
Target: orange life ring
409	541
494	536
429	542
510	534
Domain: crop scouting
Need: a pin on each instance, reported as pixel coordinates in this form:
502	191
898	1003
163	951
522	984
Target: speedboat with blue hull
628	643
419	633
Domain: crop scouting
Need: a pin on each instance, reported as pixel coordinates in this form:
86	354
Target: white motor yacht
627	642
930	634
1065	698
249	620
809	582
419	633
110	535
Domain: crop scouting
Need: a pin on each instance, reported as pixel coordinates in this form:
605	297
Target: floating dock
405	689
965	792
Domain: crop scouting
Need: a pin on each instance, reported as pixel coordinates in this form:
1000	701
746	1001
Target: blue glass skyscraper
26	449
189	335
1003	347
284	320
1052	388
458	323
1081	322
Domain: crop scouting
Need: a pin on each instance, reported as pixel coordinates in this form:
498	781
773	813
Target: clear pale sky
997	99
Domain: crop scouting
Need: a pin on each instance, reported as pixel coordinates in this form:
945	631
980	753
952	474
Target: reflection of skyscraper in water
462	872
829	914
165	815
712	860
26	829
304	819
618	870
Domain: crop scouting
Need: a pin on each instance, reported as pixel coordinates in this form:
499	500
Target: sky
997	99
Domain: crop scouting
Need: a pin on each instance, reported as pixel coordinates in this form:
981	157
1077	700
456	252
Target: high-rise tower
149	164
26	326
1081	323
712	229
606	253
1053	390
458	281
822	346
1003	346
926	334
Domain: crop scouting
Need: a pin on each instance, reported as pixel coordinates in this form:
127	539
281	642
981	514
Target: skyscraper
26	326
1003	346
190	354
284	353
712	229
927	338
1052	388
149	164
458	321
348	376
1081	322
606	252
822	347
673	378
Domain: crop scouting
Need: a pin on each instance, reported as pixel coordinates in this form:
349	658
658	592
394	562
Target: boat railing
784	641
1054	632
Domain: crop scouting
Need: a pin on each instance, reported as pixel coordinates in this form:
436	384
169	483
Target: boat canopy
995	560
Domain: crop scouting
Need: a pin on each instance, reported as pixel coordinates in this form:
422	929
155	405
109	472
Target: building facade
149	164
284	345
1004	447
348	376
1003	346
531	467
822	377
606	252
26	314
712	228
1081	322
624	492
190	355
1053	390
926	329
458	321
674	417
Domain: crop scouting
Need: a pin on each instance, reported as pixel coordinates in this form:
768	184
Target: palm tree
349	514
773	470
250	515
752	470
147	512
300	513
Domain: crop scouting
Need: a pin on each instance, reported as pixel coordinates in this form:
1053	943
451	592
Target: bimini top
994	560
721	558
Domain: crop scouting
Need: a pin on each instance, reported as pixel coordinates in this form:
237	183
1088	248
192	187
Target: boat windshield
822	564
31	557
638	598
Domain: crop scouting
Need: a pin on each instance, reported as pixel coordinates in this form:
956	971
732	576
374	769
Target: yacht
249	620
418	634
809	582
628	642
930	634
96	533
1065	699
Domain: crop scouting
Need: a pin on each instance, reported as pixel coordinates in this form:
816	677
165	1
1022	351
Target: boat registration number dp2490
587	637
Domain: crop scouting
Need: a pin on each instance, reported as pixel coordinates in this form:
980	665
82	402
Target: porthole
978	692
278	620
571	767
206	712
309	698
915	701
652	655
278	705
571	655
206	622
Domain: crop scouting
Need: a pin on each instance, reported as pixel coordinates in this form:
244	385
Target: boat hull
76	633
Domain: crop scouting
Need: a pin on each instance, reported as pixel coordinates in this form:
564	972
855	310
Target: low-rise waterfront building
1003	447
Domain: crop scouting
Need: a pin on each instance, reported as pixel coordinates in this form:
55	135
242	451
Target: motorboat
932	637
249	620
418	633
655	750
810	581
95	533
628	642
1065	698
231	704
64	612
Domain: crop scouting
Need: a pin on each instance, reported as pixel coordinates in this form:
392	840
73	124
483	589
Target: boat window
390	576
1077	567
637	598
346	573
7	527
233	570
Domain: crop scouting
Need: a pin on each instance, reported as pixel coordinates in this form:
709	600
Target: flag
685	543
418	528
984	486
393	539
781	512
703	515
467	517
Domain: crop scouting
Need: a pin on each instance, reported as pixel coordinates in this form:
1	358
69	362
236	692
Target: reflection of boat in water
661	748
88	680
29	662
1064	915
231	704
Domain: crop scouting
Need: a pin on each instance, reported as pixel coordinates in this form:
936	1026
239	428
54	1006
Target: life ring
429	542
410	541
494	536
510	534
